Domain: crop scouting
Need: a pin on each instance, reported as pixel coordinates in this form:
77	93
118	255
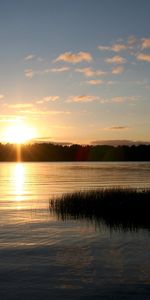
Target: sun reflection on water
19	181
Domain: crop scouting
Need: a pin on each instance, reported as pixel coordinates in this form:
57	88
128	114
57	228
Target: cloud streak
143	57
75	57
60	70
116	60
30	57
94	82
119	128
123	99
115	47
89	72
1	96
145	43
48	99
117	70
82	98
29	73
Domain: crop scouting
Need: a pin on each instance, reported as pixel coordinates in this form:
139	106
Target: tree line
55	152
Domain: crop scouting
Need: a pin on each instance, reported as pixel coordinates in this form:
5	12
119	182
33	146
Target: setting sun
19	133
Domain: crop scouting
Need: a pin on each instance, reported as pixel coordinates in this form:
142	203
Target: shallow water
42	257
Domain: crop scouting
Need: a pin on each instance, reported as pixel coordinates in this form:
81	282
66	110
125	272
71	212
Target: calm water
45	258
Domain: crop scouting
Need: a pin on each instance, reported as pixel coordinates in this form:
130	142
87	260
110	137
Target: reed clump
124	207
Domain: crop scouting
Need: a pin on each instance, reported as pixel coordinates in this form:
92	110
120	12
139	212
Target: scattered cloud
115	47
118	47
59	70
51	98
116	60
74	57
94	82
118	128
145	43
48	99
131	44
132	40
29	73
1	96
117	70
82	98
123	99
143	57
104	48
89	72
30	57
92	98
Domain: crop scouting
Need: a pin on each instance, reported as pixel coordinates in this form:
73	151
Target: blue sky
75	71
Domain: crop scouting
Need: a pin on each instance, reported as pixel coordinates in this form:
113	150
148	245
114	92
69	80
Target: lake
43	257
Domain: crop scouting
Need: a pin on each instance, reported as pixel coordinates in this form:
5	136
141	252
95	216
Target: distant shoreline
49	152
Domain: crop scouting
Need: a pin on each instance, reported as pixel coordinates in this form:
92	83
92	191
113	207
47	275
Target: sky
75	71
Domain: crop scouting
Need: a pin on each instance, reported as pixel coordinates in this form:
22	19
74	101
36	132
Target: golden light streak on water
19	181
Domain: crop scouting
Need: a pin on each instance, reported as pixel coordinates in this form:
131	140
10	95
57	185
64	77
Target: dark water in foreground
45	258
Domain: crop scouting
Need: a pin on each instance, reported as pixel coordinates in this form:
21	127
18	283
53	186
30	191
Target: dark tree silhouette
55	152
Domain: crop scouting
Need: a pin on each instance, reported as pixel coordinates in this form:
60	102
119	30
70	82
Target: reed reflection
123	209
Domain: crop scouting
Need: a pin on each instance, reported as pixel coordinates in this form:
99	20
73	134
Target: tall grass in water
116	207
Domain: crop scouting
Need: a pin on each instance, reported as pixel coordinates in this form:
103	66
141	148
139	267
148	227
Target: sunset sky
75	70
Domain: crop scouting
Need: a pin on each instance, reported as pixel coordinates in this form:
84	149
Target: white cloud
117	70
123	99
82	98
30	57
143	57
1	96
115	47
89	72
104	48
75	57
48	99
59	70
94	82
145	43
51	98
29	73
116	60
119	47
132	40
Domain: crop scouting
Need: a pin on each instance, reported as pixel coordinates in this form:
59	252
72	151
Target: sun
19	133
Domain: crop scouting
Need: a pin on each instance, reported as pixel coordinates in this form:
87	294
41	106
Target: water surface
42	257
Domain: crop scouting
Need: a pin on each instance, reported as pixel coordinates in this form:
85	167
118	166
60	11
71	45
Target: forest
55	152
